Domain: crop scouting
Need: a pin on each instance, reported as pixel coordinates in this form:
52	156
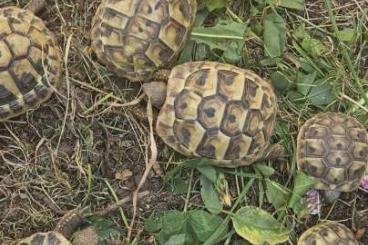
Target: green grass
67	153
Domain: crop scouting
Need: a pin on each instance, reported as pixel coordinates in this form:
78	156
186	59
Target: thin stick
113	207
136	101
152	161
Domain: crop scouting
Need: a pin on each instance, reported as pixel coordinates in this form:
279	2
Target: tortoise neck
69	223
161	75
35	6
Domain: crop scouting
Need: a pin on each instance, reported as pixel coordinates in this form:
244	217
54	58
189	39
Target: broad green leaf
175	181
105	228
178	239
292	4
264	169
321	94
179	185
228	37
274	35
216	35
153	223
173	222
295	96
313	47
210	173
277	194
210	196
258	227
280	81
305	82
301	185
197	162
215	4
205	224
233	53
347	35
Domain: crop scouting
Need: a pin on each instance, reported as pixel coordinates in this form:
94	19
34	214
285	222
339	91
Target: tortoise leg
274	152
35	6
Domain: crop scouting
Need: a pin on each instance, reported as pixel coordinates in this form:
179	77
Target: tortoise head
157	87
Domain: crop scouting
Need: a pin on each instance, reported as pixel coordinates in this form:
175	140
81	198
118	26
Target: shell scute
231	84
180	10
189	133
210	111
5	55
158	52
151	11
214	144
253	94
253	122
234	118
186	104
338	159
313	166
239	147
142	28
202	82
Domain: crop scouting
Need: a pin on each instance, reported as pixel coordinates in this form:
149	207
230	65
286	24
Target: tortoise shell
328	233
134	38
30	62
333	147
217	111
45	238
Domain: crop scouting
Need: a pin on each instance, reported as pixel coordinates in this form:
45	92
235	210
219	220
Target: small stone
364	182
314	203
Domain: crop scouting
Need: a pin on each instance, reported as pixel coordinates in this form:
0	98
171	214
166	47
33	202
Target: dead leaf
123	174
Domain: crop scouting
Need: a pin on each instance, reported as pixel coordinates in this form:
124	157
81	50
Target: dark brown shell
333	147
30	62
217	111
328	233
136	37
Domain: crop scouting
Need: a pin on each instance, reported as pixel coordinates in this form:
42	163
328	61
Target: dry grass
77	148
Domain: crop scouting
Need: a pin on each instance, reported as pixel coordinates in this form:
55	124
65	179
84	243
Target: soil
64	155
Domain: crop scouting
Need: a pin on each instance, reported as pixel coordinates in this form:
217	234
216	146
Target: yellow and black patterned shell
45	238
333	147
134	38
328	233
30	62
217	111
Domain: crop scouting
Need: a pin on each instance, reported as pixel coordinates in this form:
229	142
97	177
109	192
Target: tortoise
333	148
215	110
30	60
67	228
134	38
328	233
